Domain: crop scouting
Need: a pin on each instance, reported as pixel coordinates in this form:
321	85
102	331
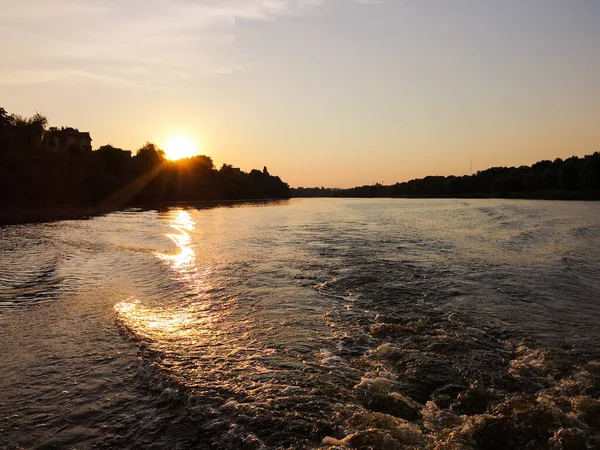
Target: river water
321	323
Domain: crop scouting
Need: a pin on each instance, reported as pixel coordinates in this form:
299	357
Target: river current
317	323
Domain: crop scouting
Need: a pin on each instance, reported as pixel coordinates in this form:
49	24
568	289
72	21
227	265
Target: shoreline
532	195
50	214
9	217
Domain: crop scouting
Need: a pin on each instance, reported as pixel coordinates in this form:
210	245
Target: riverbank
22	216
529	195
54	214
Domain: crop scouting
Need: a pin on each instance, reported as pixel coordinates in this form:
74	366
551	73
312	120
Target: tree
149	157
5	118
569	174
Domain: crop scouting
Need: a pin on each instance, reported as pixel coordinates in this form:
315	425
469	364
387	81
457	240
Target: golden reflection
159	323
184	260
176	321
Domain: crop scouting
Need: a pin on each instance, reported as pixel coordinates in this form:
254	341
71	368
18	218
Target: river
309	323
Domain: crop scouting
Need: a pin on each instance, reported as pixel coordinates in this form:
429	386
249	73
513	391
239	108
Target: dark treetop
573	178
46	168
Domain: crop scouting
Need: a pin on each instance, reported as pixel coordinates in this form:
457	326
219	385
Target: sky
332	93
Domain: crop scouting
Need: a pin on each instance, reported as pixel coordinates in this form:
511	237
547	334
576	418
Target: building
68	139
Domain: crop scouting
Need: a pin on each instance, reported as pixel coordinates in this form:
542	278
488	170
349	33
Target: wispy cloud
155	42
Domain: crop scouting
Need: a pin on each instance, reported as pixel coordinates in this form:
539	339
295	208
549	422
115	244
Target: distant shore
533	195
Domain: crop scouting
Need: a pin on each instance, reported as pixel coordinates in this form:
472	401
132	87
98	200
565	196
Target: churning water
385	324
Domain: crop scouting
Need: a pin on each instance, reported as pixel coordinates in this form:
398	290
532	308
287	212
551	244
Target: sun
180	146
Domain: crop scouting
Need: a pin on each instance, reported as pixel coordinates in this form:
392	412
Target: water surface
318	323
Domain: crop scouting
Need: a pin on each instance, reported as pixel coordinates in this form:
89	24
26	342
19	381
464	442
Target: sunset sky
323	92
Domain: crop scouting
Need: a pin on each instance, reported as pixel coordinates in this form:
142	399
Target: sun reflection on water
185	259
161	323
175	317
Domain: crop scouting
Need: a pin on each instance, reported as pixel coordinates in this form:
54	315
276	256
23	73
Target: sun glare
177	147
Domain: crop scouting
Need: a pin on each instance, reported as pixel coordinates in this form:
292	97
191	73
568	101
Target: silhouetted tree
32	174
572	178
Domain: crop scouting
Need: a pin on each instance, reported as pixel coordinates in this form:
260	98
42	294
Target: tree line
572	178
33	175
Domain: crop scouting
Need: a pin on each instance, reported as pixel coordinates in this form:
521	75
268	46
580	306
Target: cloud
149	43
